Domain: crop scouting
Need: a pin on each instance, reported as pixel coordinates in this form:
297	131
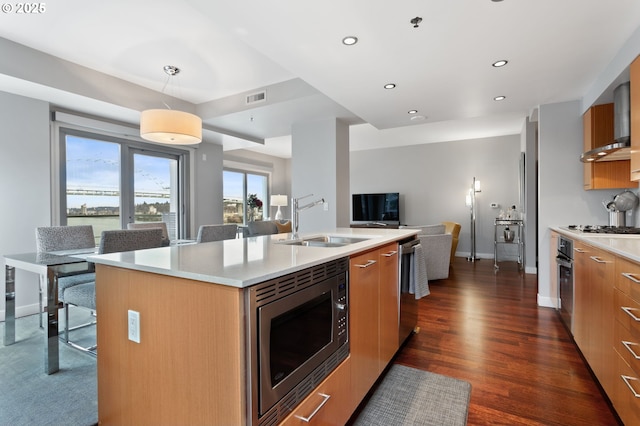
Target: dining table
50	266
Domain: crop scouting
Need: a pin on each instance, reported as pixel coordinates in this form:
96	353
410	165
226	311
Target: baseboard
530	270
22	311
547	302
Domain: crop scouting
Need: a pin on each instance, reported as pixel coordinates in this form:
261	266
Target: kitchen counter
624	245
247	261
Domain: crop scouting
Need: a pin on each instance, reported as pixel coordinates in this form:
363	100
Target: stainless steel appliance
564	262
601	229
408	309
298	332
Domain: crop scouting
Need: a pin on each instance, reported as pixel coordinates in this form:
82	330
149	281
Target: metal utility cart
516	225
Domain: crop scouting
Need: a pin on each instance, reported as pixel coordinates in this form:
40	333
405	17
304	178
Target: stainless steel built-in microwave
298	333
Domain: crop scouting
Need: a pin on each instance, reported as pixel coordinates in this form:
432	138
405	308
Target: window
108	182
245	196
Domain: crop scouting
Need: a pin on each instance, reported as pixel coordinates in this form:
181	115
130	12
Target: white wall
433	180
25	187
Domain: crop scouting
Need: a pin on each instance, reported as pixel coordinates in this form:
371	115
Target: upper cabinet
634	73
598	131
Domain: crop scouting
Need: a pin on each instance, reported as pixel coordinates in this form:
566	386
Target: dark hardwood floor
485	327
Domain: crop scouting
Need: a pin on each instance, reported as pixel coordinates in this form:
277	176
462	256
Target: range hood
620	147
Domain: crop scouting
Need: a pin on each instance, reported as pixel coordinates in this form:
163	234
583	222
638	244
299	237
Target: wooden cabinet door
389	304
634	71
581	294
363	322
598	131
601	321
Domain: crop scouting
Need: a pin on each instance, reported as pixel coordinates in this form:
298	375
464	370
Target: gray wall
25	187
433	180
562	200
207	185
278	169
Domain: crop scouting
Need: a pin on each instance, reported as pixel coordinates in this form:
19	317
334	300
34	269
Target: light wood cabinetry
597	132
606	324
329	403
198	371
634	74
389	304
626	391
593	309
373	319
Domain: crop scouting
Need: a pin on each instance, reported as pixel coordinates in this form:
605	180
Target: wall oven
297	328
564	262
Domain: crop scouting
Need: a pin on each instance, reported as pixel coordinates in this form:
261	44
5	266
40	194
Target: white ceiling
292	48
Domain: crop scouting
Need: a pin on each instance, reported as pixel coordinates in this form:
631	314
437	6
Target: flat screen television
381	208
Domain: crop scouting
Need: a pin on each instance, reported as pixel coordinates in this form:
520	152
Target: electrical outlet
494	205
326	207
134	326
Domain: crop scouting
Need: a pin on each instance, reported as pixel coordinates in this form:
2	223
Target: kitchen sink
324	241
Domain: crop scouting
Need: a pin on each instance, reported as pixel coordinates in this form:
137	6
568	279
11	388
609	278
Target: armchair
452	228
436	246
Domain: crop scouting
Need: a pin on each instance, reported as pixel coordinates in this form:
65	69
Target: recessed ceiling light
390	86
413	111
349	40
499	98
500	63
496	1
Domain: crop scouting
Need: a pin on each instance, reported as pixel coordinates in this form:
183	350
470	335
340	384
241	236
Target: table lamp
279	200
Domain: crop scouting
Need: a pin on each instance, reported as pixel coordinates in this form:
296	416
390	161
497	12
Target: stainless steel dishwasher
408	309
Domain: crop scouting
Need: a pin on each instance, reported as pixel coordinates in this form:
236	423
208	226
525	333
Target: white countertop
625	245
246	261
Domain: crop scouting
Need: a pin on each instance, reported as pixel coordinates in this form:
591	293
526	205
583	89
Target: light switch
134	326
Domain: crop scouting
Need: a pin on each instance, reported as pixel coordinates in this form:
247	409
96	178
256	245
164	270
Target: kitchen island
190	366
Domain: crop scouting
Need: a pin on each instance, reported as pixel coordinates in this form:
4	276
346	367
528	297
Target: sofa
266	227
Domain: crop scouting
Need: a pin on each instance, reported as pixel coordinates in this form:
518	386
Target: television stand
374	225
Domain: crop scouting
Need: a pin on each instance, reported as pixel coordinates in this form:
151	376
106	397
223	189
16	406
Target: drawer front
627	312
628	279
328	404
626	398
627	344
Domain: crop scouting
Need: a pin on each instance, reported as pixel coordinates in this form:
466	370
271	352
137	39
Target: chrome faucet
296	209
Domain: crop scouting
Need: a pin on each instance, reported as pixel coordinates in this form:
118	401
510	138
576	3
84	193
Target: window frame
128	146
266	206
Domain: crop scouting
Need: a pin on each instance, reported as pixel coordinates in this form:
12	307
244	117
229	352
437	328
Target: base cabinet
373	316
606	324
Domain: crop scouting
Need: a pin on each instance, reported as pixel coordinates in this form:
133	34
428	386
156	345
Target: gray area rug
407	396
30	397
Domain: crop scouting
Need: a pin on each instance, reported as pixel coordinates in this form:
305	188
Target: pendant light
169	126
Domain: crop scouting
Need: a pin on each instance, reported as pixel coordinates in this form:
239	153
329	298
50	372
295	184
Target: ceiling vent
257	97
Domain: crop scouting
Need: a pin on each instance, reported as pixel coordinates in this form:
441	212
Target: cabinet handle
391	253
324	401
628	312
579	250
628	346
627	380
597	259
366	265
631	276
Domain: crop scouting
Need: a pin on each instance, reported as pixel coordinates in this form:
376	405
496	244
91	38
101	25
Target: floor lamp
471	202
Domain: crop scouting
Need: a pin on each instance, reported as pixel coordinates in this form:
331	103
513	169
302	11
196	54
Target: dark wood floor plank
485	327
